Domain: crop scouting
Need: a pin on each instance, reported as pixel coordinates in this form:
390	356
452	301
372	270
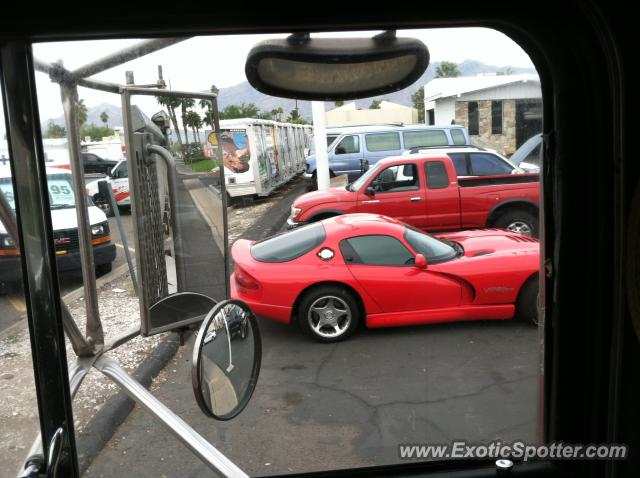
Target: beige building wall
348	115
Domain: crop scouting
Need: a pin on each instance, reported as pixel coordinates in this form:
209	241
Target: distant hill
245	93
93	116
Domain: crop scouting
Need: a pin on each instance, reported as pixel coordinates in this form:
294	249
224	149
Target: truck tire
103	269
519	221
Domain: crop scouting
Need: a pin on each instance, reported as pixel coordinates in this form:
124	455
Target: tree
505	71
96	133
55	131
447	69
339	103
277	113
194	121
242	111
104	117
375	105
82	113
185	104
418	103
171	103
294	117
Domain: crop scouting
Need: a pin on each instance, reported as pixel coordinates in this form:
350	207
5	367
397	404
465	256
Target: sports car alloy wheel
329	317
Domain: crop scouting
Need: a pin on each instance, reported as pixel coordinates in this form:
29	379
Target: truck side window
483	164
397	178
348	145
460	163
437	177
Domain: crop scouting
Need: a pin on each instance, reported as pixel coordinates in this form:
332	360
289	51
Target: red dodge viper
331	275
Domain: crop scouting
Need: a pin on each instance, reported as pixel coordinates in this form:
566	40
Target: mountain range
245	93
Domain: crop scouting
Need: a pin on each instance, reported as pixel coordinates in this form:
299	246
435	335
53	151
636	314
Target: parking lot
330	406
319	406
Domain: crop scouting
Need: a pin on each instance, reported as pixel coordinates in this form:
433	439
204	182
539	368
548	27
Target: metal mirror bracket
209	454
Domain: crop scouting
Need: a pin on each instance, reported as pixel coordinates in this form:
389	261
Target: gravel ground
119	311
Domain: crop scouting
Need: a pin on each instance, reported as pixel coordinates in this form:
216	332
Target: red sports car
331	275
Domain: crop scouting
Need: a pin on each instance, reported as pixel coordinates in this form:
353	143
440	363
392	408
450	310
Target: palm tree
447	69
82	113
104	117
171	104
194	121
185	104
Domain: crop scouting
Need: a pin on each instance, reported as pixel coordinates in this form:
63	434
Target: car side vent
521	238
482	253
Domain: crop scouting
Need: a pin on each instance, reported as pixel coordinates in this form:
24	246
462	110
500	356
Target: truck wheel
527	301
103	269
519	221
328	314
103	204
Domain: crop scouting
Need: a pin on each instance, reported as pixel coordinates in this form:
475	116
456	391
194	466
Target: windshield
434	250
358	183
529	151
60	191
238	171
330	139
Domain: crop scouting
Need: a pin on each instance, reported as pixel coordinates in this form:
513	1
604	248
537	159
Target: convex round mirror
226	360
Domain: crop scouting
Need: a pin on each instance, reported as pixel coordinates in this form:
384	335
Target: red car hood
315	198
482	242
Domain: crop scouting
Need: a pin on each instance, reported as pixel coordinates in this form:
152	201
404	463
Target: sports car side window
375	251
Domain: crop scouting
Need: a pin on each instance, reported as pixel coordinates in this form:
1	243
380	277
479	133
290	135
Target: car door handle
415	199
371	202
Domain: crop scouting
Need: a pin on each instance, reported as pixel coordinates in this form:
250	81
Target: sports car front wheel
328	313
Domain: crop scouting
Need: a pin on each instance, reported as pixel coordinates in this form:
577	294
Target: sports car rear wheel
527	302
328	314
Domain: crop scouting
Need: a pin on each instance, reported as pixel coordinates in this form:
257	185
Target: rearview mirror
226	360
329	69
370	191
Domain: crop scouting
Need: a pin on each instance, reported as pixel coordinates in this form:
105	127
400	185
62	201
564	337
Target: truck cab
427	191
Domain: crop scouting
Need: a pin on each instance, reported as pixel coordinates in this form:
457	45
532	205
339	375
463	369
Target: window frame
558	45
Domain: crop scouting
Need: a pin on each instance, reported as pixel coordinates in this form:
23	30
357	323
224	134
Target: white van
118	179
65	229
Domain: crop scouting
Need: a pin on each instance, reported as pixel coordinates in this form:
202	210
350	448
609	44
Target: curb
104	424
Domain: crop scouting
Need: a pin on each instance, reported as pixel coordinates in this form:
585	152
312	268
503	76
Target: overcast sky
197	63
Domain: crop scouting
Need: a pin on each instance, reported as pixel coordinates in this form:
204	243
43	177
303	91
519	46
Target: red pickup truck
424	190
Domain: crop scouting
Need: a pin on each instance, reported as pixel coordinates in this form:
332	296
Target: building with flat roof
499	111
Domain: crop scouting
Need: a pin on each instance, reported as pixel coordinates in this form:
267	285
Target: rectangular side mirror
370	191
